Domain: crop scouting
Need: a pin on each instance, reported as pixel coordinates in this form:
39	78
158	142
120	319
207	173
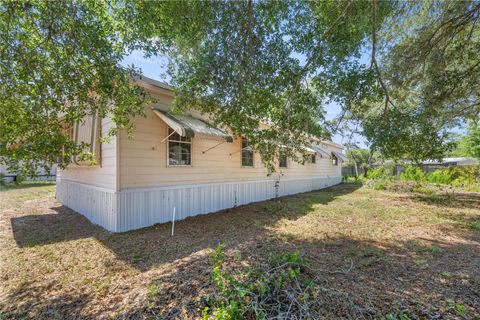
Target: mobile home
182	163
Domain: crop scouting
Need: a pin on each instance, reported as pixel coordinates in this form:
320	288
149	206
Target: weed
422	263
464	177
153	293
102	287
136	258
473	225
412	173
54	315
459	309
440	177
423	190
383	172
435	250
421	249
284	289
404	315
382	184
367	251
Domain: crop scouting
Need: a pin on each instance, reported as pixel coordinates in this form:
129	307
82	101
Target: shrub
382	184
466	177
415	179
382	172
440	176
412	173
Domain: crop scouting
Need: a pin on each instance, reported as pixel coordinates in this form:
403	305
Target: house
179	162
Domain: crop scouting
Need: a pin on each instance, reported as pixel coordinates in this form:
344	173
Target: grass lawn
410	253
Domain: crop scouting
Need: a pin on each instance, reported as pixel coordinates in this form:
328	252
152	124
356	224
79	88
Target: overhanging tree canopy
59	60
244	63
247	62
431	63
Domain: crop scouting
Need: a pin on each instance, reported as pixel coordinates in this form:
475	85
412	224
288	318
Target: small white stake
173	221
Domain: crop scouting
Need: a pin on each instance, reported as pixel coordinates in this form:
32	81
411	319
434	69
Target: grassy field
409	254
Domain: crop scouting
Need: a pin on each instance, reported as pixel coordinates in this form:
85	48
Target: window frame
69	130
334	160
281	153
309	157
180	142
241	153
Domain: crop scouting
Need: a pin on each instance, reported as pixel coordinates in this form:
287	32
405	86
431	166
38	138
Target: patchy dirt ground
414	252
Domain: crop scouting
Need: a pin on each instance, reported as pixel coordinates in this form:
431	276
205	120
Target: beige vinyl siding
134	187
102	175
143	159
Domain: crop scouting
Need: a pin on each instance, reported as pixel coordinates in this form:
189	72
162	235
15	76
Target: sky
154	67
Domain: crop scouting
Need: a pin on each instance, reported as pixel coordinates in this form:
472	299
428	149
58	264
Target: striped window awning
187	126
324	153
307	149
340	155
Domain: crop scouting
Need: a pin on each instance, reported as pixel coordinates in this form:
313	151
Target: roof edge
162	85
159	84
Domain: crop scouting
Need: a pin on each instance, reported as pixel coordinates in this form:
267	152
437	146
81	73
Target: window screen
179	149
334	160
310	158
282	160
247	154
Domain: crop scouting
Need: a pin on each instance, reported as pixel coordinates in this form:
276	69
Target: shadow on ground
230	226
462	200
430	279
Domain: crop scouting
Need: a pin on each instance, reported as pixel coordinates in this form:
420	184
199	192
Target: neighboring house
451	162
432	165
180	162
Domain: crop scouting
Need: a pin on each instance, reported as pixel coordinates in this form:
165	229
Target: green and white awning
190	127
324	153
340	156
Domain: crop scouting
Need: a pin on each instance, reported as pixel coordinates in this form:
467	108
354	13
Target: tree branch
374	63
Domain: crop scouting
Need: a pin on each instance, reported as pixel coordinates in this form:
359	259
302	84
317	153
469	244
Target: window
334	160
247	154
282	160
68	129
310	158
179	149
